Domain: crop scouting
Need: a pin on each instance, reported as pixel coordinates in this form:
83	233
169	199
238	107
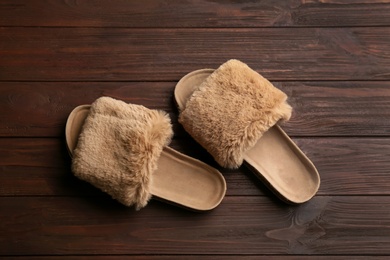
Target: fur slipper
232	112
122	149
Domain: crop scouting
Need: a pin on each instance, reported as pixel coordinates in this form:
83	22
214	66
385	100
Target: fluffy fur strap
118	149
231	110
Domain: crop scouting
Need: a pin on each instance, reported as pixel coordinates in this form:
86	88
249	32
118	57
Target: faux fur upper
118	149
231	110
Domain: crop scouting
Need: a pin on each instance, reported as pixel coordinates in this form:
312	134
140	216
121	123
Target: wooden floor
331	57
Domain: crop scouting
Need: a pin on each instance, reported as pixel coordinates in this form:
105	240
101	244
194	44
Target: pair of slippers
232	111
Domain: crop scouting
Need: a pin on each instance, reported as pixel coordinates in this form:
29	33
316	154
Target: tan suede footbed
232	112
121	149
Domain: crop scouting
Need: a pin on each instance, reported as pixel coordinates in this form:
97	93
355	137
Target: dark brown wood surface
331	57
195	13
166	54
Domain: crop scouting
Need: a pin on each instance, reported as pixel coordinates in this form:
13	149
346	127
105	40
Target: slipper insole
280	163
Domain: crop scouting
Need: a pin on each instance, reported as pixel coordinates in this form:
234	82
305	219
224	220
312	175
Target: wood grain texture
117	54
195	257
331	57
42	108
348	166
32	109
194	13
254	225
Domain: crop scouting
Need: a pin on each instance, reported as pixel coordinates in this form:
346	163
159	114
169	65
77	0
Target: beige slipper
122	149
232	112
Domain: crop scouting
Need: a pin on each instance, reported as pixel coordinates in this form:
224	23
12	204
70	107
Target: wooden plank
348	166
195	257
194	13
41	108
338	108
117	54
343	225
320	108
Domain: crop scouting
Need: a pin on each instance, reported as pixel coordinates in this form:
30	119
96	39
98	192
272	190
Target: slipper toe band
231	110
118	149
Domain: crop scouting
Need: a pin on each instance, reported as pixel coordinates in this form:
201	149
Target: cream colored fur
231	110
118	149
